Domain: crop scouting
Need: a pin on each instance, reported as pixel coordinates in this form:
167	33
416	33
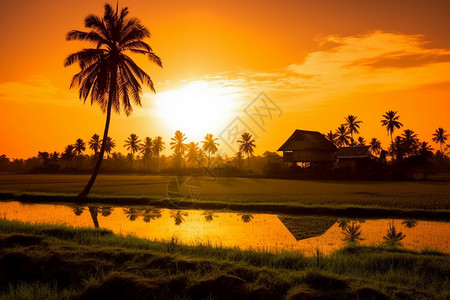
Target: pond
267	232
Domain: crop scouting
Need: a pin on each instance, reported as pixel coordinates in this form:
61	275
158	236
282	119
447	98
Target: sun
197	108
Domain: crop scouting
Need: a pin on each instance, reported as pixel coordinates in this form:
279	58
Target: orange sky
318	61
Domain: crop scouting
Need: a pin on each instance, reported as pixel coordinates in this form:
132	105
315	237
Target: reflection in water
151	214
392	237
94	214
410	223
209	216
106	210
178	216
131	213
246	217
352	232
78	210
263	231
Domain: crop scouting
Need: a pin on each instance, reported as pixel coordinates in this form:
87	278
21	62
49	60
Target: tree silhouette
68	154
79	147
192	155
239	160
440	137
247	145
391	122
331	137
95	144
361	141
375	146
146	149
352	124
210	146
410	142
178	146
158	146
132	144
393	237
342	138
107	73
110	144
352	232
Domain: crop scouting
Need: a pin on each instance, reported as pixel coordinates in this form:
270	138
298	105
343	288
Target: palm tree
95	143
146	150
342	138
425	149
110	144
132	144
210	146
238	160
107	73
331	137
79	147
200	157
410	142
375	146
391	122
361	141
247	145
352	124
158	146
192	155
68	154
440	137
178	146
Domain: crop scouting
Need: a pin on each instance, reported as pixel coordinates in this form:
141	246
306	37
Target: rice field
387	194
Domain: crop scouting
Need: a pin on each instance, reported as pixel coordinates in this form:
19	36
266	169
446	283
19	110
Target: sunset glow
197	108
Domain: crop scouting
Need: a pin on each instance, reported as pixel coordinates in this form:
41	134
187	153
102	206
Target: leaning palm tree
178	146
108	74
342	138
95	143
440	137
192	155
375	146
158	146
247	145
146	150
132	144
210	146
79	147
391	122
352	124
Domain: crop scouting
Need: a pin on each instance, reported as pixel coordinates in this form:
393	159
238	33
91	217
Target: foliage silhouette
210	146
247	145
440	137
108	74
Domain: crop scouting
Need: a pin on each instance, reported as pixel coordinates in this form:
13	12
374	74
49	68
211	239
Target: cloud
372	62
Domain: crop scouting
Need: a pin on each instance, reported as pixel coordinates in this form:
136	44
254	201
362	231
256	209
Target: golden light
197	108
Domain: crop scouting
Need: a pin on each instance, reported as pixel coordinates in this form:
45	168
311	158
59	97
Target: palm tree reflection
178	216
151	214
106	210
209	216
131	213
393	238
410	223
78	210
246	217
352	232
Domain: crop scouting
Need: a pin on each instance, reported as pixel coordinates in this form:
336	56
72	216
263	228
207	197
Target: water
231	229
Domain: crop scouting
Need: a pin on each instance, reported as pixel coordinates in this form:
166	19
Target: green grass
40	260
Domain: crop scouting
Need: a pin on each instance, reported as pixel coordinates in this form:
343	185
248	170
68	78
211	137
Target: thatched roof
307	140
354	152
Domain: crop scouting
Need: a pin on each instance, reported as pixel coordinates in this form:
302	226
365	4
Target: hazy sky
318	61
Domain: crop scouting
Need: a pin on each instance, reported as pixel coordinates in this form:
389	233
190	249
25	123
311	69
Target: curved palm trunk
94	215
91	181
248	159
